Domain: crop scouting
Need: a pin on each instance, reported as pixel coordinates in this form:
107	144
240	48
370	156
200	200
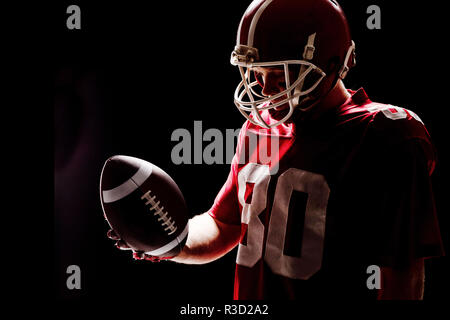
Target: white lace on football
166	220
171	244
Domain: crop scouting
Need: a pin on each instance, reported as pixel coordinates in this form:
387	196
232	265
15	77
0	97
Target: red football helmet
308	37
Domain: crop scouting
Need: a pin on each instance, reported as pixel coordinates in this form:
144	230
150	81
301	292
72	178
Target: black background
134	73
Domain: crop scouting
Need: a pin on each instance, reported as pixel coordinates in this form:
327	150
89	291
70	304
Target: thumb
122	245
112	235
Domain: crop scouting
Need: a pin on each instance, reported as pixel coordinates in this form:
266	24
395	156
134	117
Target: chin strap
308	54
341	74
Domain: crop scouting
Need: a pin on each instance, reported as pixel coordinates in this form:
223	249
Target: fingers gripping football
144	208
137	255
120	244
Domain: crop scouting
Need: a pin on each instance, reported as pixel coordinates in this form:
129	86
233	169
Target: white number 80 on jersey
316	187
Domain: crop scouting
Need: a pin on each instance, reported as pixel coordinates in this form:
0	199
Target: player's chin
281	106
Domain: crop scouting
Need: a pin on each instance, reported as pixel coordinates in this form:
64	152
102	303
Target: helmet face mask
297	37
250	100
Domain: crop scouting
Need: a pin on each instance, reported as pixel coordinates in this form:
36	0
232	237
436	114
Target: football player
346	183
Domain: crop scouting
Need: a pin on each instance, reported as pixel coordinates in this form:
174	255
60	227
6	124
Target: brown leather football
144	206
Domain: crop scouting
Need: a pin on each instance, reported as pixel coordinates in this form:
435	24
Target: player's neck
335	98
342	95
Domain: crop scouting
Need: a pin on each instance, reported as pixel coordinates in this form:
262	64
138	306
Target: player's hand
120	244
137	255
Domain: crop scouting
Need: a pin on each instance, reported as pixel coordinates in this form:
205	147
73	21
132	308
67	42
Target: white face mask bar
255	102
245	57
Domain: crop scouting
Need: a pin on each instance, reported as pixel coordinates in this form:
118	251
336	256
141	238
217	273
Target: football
144	206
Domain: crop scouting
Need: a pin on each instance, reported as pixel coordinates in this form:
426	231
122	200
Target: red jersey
319	201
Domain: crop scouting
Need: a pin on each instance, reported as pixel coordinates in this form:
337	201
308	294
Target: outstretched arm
208	240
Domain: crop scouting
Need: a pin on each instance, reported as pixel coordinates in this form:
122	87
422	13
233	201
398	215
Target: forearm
207	240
